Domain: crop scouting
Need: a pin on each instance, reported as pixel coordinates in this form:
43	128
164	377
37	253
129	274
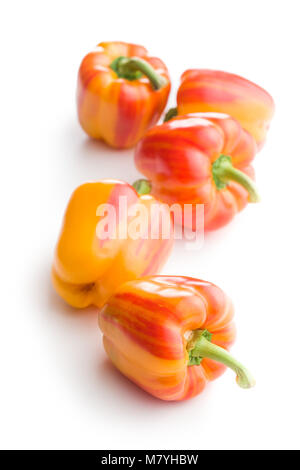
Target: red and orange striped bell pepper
223	92
202	158
121	93
170	335
91	258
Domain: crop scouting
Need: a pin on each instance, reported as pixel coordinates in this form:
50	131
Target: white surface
57	388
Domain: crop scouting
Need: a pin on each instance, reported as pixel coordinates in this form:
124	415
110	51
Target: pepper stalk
133	68
200	347
170	114
224	172
142	186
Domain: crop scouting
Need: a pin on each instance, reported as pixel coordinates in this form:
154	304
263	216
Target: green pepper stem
200	347
142	186
133	68
170	114
224	172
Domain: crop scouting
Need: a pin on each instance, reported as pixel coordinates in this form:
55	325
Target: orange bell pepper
121	92
92	260
223	92
170	335
202	158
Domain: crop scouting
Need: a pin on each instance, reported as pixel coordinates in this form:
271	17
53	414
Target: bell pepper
93	257
201	158
223	92
121	92
170	335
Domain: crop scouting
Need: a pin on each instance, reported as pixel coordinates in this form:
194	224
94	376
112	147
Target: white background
57	388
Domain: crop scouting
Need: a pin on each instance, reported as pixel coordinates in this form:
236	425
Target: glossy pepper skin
121	92
90	260
223	92
201	158
169	335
